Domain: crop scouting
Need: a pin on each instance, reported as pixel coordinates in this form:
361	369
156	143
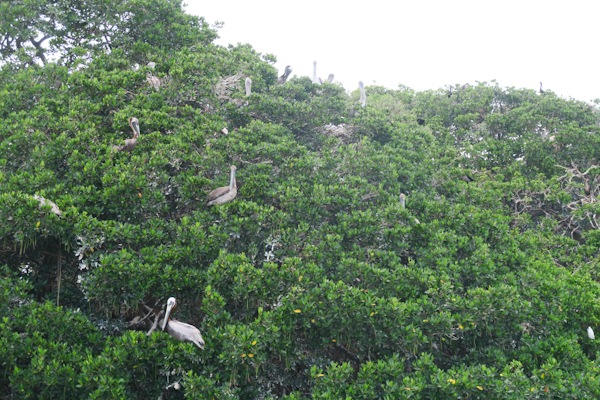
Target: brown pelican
467	178
541	90
130	143
286	73
153	81
248	86
223	194
45	202
180	330
315	80
363	95
330	78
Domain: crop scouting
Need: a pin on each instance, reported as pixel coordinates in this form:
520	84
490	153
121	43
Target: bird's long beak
136	127
167	313
232	182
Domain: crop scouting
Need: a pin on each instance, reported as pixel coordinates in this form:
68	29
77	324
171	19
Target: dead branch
154	325
226	86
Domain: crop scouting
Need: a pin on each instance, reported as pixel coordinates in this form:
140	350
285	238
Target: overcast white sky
423	44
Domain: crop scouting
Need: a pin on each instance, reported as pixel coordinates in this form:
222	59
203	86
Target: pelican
45	202
402	200
315	80
330	78
541	90
467	178
180	330
248	86
130	143
286	73
223	194
153	81
591	333
363	95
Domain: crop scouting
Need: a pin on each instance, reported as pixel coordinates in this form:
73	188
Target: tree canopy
437	244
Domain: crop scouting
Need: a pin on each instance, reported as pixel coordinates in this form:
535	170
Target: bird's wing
218	192
185	332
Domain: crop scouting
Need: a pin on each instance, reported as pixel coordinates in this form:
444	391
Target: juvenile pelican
180	330
223	194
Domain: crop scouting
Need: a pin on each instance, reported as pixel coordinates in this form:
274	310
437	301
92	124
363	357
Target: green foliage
36	31
315	282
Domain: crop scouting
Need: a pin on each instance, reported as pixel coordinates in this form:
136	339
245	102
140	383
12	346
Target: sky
423	44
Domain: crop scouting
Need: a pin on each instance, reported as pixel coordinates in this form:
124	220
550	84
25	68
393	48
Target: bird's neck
232	180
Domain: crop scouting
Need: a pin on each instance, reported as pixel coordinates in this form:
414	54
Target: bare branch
154	325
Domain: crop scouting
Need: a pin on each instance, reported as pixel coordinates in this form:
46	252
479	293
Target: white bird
315	80
363	94
402	200
223	194
180	330
591	333
248	86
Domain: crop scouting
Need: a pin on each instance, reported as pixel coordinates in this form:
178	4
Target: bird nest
342	131
227	85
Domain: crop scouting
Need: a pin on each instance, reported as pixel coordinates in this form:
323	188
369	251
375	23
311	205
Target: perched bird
223	194
315	80
283	78
467	178
153	81
330	78
45	202
591	333
180	330
541	90
363	94
130	143
403	205
248	86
